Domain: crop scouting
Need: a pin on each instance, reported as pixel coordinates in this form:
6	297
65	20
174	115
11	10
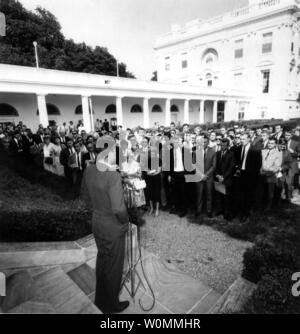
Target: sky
128	28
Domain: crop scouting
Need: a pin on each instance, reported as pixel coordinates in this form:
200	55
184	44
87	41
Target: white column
86	113
215	111
201	112
42	107
186	112
119	110
92	114
146	113
168	112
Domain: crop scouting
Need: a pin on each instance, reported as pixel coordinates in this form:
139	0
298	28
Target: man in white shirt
178	194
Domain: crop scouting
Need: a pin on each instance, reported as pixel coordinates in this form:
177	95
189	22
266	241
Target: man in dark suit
177	173
102	190
39	137
205	186
225	166
64	158
293	146
249	163
89	157
76	164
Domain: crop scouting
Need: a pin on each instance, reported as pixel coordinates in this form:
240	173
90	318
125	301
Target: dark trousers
224	203
204	189
165	189
247	191
109	270
178	191
270	192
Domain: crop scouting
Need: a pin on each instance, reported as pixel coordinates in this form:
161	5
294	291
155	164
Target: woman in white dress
48	151
57	147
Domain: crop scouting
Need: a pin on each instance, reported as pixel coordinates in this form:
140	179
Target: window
241	116
111	109
156	108
136	109
209	59
265	81
292	47
78	110
174	108
209	83
267	43
167	64
52	110
239	51
184	64
8	110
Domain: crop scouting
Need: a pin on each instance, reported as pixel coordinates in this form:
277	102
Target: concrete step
234	298
20	288
85	277
63	294
32	307
26	255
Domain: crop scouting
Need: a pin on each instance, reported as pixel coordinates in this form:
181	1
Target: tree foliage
23	27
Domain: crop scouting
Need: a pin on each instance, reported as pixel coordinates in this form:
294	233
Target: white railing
230	17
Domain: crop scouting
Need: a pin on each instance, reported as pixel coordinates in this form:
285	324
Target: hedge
41	225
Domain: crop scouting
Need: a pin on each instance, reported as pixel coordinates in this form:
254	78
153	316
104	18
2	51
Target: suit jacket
103	192
209	162
186	161
253	162
64	157
295	146
86	158
17	148
225	166
271	162
38	139
73	162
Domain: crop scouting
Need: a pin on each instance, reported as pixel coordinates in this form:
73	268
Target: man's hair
225	140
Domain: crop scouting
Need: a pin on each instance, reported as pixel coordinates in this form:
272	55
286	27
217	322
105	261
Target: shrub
42	225
273	294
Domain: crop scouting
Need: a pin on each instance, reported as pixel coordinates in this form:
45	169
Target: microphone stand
132	277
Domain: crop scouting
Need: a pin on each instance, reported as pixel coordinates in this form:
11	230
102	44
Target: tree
55	51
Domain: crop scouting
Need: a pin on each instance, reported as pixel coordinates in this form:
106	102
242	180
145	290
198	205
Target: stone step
32	307
85	277
63	294
20	288
25	255
234	298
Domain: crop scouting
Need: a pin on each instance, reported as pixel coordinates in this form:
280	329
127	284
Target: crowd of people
242	170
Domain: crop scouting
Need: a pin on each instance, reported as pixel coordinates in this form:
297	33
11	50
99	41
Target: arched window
111	109
174	108
156	108
210	56
136	109
78	110
52	110
8	110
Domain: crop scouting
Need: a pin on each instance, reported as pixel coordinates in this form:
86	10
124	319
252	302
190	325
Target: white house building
256	49
37	96
241	65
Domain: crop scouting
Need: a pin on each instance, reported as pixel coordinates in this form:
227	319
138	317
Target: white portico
37	96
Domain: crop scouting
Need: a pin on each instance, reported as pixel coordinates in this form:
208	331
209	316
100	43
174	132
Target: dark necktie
243	154
78	160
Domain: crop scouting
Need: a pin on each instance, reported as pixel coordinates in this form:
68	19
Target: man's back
104	193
